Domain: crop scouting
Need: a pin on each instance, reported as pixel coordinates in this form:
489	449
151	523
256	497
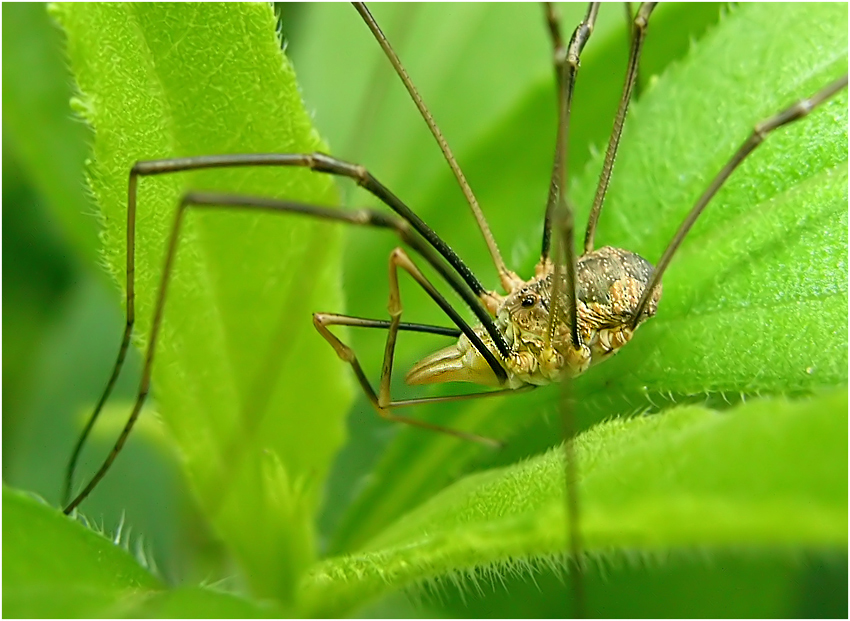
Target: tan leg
382	401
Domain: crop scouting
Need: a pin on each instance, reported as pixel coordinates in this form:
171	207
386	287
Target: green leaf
237	352
200	602
503	135
762	475
770	250
55	567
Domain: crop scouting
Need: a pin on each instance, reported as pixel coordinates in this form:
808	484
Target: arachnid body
247	413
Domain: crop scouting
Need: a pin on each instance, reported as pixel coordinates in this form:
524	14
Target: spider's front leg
382	400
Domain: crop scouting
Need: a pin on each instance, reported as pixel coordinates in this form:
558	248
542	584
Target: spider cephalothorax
609	285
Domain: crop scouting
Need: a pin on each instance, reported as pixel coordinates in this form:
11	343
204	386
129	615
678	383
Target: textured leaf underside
766	474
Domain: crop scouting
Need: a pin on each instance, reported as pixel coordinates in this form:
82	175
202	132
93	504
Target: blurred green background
62	325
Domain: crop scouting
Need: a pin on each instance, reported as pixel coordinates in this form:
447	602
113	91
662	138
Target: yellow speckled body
609	284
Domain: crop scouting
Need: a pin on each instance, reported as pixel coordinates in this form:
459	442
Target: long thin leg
563	277
565	260
560	214
557	200
234	452
382	401
571	477
363	217
566	68
382	324
335	319
78	447
346	354
559	58
639	34
559	52
564	280
794	112
629	37
461	278
508	278
400	259
319	162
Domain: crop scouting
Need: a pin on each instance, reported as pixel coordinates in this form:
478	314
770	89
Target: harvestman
574	312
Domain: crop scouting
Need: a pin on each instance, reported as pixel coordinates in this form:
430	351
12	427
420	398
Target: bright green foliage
237	351
89	576
752	302
755	304
651	483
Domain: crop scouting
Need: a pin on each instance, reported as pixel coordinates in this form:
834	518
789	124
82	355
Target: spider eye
529	301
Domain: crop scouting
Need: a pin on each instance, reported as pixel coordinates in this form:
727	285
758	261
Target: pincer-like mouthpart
458	363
